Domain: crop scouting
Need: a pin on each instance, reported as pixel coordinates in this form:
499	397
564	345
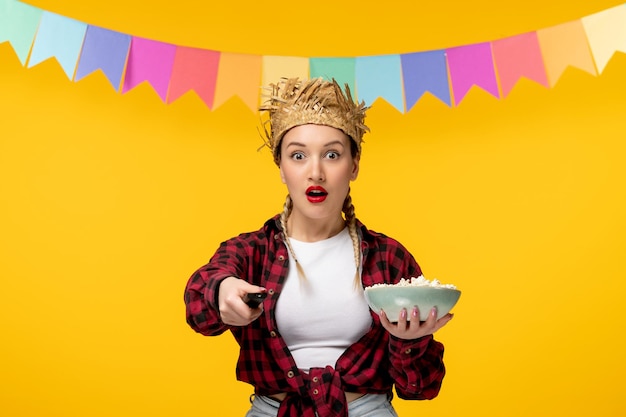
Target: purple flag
472	65
425	71
106	50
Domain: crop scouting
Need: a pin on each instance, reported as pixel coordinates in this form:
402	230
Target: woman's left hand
411	327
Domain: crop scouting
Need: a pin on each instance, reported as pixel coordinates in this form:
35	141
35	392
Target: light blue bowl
393	299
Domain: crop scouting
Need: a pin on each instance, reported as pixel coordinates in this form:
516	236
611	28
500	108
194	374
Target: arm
201	300
212	308
416	359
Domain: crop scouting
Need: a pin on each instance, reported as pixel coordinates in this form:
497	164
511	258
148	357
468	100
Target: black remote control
253	299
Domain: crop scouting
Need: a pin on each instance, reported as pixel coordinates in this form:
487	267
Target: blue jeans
369	405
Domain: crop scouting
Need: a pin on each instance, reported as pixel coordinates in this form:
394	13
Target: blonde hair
350	218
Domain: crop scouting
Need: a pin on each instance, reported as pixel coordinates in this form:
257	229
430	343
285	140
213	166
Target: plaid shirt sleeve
416	367
201	292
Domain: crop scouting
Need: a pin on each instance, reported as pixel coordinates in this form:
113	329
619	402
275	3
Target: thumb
252	288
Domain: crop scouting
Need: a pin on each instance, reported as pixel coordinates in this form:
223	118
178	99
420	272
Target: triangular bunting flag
496	66
18	25
59	37
425	72
194	69
105	50
516	57
564	45
240	75
149	61
380	76
341	69
472	65
276	67
606	33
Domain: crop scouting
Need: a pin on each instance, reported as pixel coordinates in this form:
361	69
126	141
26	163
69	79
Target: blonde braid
348	209
283	223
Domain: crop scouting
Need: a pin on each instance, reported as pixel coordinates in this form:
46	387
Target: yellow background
108	202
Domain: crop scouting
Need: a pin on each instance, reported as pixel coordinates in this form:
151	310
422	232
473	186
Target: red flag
194	69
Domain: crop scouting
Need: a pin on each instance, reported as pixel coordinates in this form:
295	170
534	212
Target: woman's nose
317	170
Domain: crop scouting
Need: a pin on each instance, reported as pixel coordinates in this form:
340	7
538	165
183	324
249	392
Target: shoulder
386	260
372	237
383	246
269	229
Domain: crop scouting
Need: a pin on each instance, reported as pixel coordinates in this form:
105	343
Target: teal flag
341	69
380	76
18	25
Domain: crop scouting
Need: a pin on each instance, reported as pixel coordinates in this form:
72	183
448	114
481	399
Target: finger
431	321
242	315
256	289
257	312
402	320
443	320
415	317
384	320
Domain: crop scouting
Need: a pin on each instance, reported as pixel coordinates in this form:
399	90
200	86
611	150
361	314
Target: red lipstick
316	194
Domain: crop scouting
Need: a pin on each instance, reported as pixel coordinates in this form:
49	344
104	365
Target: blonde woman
313	347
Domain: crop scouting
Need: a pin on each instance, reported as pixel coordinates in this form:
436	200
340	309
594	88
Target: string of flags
448	74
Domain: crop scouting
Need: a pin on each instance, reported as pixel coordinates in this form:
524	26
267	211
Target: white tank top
322	316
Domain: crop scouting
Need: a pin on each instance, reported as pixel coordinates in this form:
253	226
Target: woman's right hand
233	310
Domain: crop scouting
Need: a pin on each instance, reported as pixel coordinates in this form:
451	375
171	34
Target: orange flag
239	74
564	45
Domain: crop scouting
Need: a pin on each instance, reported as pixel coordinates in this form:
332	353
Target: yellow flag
275	67
606	32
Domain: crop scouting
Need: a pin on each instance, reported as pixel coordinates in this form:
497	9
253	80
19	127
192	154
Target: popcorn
417	282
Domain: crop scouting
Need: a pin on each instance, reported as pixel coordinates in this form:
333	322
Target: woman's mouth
316	194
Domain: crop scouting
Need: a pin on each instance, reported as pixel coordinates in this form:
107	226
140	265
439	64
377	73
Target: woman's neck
313	230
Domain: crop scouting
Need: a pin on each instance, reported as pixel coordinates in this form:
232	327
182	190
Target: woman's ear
282	176
355	168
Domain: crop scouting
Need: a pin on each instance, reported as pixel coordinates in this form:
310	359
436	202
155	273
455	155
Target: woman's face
317	165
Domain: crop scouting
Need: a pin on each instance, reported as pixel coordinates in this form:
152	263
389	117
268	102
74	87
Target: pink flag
471	65
516	57
194	69
149	61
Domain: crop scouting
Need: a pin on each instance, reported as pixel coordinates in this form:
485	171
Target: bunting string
448	74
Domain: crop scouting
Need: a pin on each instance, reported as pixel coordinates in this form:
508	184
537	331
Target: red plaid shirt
373	364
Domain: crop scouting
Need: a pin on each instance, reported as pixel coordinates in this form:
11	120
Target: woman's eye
332	155
297	156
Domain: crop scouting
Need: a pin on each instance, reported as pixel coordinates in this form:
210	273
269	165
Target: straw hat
293	102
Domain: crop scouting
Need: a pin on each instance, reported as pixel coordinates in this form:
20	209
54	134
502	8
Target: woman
313	348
